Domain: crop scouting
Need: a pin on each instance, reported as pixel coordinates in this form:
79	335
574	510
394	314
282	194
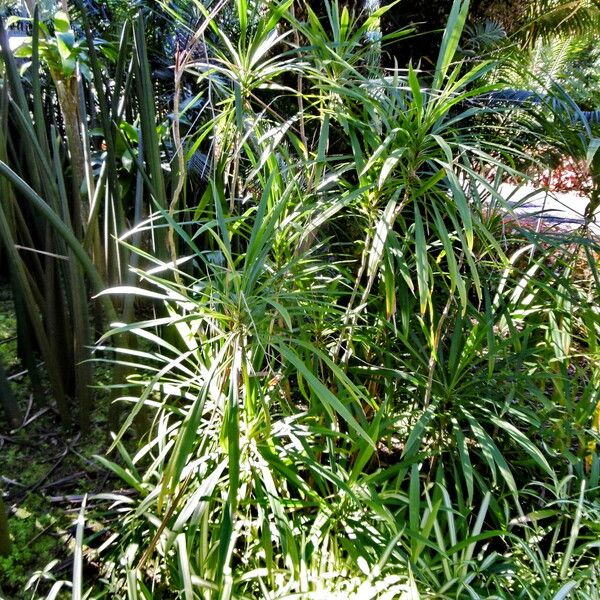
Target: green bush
350	377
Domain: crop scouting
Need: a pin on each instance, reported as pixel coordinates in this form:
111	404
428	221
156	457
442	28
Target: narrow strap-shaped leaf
451	38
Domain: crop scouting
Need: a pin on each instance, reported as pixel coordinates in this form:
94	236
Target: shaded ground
43	470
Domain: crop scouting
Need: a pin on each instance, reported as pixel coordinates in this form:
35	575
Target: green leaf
78	554
592	150
127	161
66	44
130	131
450	40
415	88
465	460
388	165
565	591
119	471
24	51
422	263
384	226
61	22
526	444
14	19
417	433
329	400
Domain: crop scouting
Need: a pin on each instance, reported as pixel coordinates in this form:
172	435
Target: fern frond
551	18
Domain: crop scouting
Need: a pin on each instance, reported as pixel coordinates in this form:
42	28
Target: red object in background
570	176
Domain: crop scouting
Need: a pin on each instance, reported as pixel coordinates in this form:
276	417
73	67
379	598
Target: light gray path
564	209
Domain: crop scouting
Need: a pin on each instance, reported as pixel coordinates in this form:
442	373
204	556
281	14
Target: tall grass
358	381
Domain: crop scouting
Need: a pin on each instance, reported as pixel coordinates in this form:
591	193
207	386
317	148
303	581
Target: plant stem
4	534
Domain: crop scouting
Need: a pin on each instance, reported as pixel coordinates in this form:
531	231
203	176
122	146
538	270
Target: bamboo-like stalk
25	291
8	401
81	339
50	358
5	544
25	343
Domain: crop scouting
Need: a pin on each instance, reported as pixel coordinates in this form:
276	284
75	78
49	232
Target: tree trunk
67	92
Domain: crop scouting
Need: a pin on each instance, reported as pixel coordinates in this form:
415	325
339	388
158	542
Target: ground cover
45	471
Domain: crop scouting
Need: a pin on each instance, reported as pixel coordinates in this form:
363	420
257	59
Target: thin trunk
27	349
4	534
8	400
67	92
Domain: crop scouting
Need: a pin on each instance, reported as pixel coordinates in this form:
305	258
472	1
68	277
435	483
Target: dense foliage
341	367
